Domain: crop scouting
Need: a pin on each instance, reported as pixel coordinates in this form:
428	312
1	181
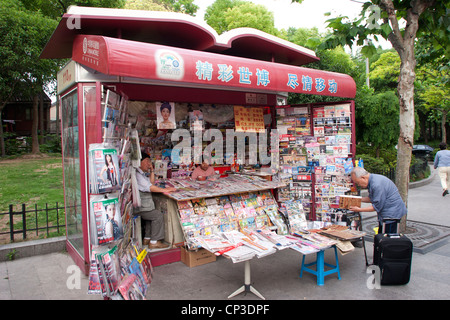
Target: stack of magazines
189	189
120	274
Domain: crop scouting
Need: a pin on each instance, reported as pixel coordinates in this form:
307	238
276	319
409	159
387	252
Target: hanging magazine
105	219
111	114
104	173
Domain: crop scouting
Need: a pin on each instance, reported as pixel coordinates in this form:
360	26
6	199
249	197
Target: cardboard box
345	202
196	258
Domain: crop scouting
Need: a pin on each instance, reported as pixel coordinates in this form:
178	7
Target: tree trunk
2	139
41	118
406	137
57	117
34	126
403	43
443	128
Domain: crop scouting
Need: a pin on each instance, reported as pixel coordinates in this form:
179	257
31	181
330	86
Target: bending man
383	196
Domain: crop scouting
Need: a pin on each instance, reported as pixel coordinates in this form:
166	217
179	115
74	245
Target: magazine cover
196	120
104	170
161	169
111	114
129	289
94	280
109	267
105	219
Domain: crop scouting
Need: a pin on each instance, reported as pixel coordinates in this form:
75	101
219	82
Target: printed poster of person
165	115
106	222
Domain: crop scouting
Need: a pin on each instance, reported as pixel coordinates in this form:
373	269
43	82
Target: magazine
161	169
105	219
104	170
109	268
111	114
94	286
196	120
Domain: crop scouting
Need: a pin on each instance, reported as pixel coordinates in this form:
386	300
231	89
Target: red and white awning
126	58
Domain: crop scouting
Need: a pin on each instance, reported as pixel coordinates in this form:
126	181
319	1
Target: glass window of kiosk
71	160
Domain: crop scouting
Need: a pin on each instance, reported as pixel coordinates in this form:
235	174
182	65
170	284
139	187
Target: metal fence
419	167
33	222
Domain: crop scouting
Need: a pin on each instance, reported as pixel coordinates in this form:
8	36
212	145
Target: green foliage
378	117
54	9
385	71
373	164
302	36
215	14
386	159
52	144
13	146
144	5
183	6
250	15
225	15
23	35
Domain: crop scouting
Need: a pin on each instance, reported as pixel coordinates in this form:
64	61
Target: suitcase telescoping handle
391	235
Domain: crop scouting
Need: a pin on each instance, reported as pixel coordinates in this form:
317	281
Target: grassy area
31	180
34	181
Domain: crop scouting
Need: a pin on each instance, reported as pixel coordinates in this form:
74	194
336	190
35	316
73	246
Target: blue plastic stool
320	267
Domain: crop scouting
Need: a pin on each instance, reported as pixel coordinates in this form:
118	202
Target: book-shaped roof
171	29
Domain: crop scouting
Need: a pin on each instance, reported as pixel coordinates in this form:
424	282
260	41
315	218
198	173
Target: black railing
39	222
419	167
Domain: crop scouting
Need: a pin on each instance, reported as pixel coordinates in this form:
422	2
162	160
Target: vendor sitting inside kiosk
202	171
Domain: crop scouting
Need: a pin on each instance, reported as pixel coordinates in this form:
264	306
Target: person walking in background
442	163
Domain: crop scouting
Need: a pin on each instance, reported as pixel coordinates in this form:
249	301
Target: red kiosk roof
163	64
174	30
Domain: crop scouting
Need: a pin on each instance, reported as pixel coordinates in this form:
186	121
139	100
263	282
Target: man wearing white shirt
442	163
154	219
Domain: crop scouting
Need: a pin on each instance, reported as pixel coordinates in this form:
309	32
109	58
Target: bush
52	144
372	164
13	144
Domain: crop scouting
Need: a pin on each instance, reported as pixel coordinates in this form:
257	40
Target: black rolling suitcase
392	253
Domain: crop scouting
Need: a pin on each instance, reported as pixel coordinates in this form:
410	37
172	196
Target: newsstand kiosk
153	57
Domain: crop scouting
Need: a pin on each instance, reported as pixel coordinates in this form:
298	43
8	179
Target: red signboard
149	61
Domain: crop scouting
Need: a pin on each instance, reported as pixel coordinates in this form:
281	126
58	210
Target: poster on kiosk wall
165	115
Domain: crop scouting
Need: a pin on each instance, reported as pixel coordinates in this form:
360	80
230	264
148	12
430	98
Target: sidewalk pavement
54	276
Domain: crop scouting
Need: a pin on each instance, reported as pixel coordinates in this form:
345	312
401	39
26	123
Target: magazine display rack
120	268
317	147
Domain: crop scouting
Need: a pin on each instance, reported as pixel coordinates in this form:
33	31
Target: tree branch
412	16
395	37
